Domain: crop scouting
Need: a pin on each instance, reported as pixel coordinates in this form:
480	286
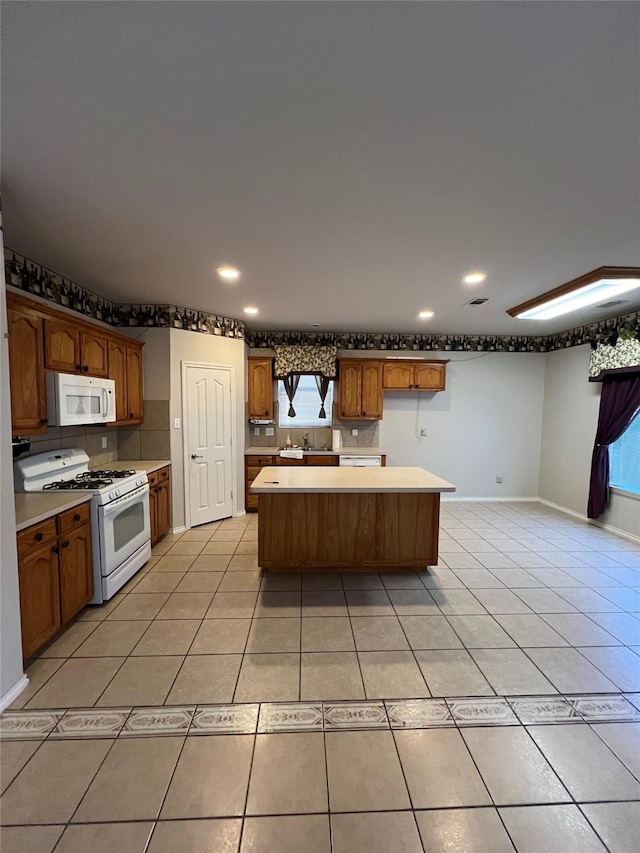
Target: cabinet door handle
76	517
86	368
38	537
78	367
43	421
364	413
130	414
65	544
55	549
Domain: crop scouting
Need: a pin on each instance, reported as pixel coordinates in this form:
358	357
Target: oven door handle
118	503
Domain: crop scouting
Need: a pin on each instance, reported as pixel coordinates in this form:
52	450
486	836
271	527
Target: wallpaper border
31	277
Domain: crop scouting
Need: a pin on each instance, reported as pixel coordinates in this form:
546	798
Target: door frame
230	369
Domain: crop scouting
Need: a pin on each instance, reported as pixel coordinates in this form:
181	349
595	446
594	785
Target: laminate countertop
344	451
148	465
34	507
284	479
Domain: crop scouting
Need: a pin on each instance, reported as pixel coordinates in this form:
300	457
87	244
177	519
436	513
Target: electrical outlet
176	423
423	432
256	430
105	442
498	479
269	431
354	432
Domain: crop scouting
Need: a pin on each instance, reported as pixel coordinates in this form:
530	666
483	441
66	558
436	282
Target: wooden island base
390	532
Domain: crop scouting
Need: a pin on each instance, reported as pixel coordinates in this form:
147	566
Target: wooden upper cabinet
372	390
398	376
125	368
260	388
350	402
360	390
26	370
118	372
69	349
61	346
430	377
415	375
94	349
42	338
134	383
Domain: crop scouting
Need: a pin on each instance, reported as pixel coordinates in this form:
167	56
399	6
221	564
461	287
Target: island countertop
289	480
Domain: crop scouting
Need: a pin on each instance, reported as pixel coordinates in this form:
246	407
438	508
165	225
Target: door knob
195	456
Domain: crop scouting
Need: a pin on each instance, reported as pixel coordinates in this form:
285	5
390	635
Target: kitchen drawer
283	460
259	461
322	460
163	474
72	517
153	479
35	537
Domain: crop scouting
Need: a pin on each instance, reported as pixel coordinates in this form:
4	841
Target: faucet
305	441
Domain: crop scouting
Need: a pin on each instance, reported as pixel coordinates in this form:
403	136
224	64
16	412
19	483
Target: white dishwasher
360	461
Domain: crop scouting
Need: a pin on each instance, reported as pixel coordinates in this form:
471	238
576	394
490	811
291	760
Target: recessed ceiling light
250	309
600	285
425	315
228	273
474	277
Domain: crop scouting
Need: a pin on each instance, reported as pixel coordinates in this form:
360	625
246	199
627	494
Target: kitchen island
360	519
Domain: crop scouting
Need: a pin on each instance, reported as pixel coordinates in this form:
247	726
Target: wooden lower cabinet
38	577
160	503
55	575
76	576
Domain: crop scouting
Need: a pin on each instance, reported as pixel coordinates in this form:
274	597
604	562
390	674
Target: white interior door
209	461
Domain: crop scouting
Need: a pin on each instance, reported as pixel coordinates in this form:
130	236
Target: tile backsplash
150	440
368	434
88	438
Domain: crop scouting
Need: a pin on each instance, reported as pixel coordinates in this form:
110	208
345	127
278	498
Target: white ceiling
354	160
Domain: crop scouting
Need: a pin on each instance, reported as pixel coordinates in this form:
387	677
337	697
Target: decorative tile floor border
318	716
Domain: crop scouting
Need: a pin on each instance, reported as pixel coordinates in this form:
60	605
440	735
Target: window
624	459
307	404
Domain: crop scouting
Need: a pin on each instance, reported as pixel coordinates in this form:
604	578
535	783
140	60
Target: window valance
321	360
611	360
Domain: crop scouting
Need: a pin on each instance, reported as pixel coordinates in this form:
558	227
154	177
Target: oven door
124	526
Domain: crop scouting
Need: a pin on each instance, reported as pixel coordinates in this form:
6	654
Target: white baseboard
178	529
454	499
592	521
240	513
11	695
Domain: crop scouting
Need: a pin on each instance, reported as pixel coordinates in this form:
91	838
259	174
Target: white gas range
120	520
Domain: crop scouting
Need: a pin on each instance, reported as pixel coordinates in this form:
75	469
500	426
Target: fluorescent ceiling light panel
601	285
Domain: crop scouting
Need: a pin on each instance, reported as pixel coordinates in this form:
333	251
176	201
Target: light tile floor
523	602
209	706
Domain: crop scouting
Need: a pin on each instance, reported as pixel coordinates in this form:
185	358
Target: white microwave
75	400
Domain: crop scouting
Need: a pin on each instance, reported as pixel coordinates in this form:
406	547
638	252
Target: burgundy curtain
619	402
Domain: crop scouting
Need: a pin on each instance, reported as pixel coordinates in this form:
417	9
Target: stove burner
83	484
108	474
